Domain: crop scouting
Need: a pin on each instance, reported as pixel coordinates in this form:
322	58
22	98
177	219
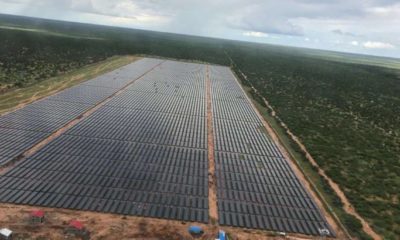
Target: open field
344	108
153	133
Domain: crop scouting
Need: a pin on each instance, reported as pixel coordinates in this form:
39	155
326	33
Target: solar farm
143	151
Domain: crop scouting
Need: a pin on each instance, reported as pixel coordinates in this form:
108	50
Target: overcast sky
361	26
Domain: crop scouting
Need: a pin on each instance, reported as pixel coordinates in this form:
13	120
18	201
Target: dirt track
340	234
212	193
346	203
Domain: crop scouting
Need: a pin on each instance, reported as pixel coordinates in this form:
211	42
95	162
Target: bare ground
112	226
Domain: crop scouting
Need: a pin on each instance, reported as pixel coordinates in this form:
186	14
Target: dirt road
212	193
346	203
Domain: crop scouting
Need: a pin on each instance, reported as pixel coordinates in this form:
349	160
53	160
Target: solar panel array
142	153
22	129
256	188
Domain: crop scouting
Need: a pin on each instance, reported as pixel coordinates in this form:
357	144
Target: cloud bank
370	26
381	45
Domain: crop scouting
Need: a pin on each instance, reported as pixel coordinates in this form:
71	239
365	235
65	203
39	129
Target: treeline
30	56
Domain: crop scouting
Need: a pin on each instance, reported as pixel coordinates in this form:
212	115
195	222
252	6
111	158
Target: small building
5	234
76	225
78	229
37	216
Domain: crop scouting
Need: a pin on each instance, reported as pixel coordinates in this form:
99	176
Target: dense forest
347	113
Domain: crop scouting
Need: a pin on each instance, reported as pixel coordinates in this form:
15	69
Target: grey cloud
347	34
342	20
267	16
267	25
277	17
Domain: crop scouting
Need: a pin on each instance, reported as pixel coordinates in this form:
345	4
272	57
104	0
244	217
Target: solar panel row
256	188
144	126
243	137
129	207
234	110
167	103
